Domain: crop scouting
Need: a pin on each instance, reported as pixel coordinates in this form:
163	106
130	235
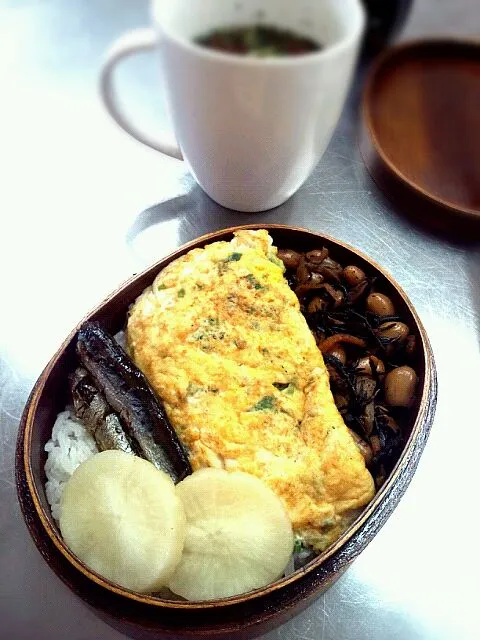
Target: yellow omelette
222	340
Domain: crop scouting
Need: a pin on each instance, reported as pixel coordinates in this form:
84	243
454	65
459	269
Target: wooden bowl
250	614
421	110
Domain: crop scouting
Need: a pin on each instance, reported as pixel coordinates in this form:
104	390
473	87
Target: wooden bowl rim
32	404
382	62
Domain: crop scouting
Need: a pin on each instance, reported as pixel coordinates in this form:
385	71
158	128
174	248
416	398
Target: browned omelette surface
221	338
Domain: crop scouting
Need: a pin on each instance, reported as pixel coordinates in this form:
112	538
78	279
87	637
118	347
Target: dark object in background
385	19
421	125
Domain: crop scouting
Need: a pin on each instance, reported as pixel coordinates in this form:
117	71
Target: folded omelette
222	340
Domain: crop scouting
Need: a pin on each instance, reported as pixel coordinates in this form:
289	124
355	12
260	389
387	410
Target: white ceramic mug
251	130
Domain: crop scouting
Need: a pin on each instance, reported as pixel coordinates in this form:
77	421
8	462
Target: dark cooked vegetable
365	388
363	341
128	393
410	345
291	259
358	292
400	385
339	353
380	305
341	400
303	273
317	304
370	366
330	270
337	296
386	444
365	449
314	281
327	345
317	256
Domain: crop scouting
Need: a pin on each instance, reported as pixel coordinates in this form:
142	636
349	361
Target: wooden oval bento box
247	615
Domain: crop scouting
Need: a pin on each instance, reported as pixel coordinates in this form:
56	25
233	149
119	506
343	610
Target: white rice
70	445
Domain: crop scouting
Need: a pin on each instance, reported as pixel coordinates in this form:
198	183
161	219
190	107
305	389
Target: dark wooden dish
421	110
253	613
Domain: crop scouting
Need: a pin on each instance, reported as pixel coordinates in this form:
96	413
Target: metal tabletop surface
83	207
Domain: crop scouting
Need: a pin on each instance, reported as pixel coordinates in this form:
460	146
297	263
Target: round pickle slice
122	517
239	536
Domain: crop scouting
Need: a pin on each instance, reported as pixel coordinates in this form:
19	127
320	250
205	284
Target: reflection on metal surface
150	241
74	229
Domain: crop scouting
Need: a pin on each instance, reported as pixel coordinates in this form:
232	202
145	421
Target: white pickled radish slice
239	536
121	516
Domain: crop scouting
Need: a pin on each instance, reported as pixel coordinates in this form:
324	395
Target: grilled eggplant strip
92	408
128	393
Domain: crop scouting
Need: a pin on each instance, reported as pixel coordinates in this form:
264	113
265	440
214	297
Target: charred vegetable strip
329	343
128	393
92	408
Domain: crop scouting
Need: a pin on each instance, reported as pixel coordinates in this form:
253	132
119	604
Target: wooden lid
422	110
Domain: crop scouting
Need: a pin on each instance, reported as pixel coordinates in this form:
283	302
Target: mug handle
126	45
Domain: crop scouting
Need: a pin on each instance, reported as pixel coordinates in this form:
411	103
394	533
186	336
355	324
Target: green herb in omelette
253	281
193	388
267	403
234	257
181	293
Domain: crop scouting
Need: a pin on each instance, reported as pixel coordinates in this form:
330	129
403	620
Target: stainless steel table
83	207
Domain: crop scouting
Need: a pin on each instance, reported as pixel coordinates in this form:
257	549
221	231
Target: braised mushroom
336	295
316	304
410	344
317	256
291	259
339	353
314	281
364	448
370	366
365	388
303	273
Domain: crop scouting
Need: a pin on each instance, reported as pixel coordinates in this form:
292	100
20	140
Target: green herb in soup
258	40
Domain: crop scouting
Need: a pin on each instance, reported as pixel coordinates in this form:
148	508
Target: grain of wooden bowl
254	613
